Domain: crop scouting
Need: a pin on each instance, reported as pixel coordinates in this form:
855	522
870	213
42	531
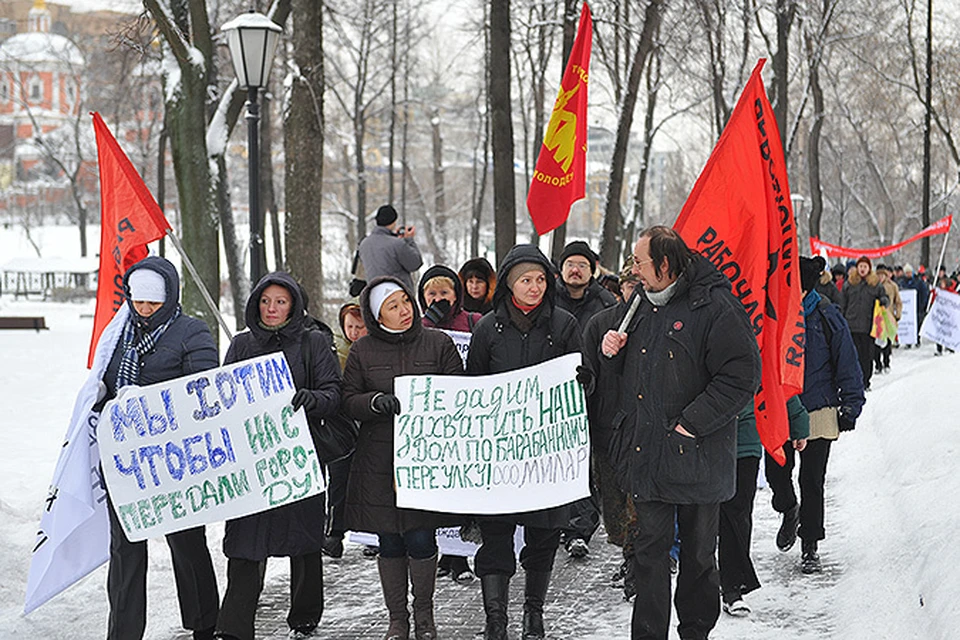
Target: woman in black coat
396	344
159	343
277	321
525	328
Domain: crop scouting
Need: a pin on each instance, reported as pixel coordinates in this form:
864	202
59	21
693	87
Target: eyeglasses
637	262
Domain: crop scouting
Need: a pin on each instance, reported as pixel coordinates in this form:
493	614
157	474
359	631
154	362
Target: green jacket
748	440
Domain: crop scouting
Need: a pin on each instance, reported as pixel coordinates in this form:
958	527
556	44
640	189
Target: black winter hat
386	215
810	270
579	248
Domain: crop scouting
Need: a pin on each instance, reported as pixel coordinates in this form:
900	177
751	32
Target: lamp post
252	38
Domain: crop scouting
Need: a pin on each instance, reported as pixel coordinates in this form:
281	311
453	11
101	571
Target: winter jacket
859	295
832	376
893	294
917	283
456	319
595	299
374	361
185	347
297	528
748	440
827	288
384	253
498	346
695	362
482	269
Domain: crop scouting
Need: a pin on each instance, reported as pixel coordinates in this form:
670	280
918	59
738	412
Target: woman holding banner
158	343
396	344
276	319
525	328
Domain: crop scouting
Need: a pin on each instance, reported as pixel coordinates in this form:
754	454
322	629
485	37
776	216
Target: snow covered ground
893	510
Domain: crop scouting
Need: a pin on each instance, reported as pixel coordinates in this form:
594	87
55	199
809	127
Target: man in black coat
686	365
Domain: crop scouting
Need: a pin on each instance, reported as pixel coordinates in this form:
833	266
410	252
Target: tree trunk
239	282
303	146
813	143
612	218
199	231
439	198
640	199
504	188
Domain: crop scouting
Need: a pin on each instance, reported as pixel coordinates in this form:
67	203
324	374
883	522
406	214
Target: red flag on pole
559	178
739	217
129	219
818	246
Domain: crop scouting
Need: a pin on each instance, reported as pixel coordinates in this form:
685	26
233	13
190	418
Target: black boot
810	559
496	594
787	535
534	595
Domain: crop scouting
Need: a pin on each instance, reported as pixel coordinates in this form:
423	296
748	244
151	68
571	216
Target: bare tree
501	123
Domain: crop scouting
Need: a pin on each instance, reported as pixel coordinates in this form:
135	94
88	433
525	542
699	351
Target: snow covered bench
24	322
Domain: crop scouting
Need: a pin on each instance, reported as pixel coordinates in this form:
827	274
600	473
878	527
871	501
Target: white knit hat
146	285
379	294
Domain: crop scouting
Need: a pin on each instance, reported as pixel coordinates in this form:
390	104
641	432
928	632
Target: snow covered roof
33	48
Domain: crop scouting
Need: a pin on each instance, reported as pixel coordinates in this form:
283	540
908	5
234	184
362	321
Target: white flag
74	534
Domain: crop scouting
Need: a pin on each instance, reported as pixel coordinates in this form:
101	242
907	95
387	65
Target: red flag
740	218
818	246
129	219
560	175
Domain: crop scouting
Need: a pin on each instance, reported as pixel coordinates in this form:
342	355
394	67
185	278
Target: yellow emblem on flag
560	139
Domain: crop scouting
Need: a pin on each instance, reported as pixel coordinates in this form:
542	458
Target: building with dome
41	90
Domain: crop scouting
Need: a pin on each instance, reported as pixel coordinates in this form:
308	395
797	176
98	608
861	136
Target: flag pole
943	250
196	278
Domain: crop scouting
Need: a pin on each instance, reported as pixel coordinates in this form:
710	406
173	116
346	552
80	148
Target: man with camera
389	250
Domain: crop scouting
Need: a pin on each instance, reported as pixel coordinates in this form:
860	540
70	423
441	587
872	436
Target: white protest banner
461	339
448	541
207	447
942	324
504	443
907	326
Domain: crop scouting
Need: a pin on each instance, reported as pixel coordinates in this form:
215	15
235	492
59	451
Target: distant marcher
390	250
525	328
895	307
396	344
833	396
159	343
684	369
277	322
828	288
737	575
579	293
861	290
440	295
616	507
352	329
909	280
479	282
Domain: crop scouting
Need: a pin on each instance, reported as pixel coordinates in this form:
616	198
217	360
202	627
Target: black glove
437	311
845	422
587	380
305	399
356	286
385	403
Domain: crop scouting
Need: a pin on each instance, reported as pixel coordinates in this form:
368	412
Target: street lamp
252	38
797	201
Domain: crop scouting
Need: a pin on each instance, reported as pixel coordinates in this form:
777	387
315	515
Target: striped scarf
133	349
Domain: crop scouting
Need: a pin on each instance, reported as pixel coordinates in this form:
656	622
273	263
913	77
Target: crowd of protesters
669	370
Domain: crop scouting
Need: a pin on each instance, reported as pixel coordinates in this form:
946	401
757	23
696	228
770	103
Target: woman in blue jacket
833	396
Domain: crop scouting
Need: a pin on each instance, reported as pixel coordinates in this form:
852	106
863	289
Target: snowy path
892	518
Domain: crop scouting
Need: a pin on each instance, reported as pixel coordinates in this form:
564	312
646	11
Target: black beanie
386	215
810	270
579	248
